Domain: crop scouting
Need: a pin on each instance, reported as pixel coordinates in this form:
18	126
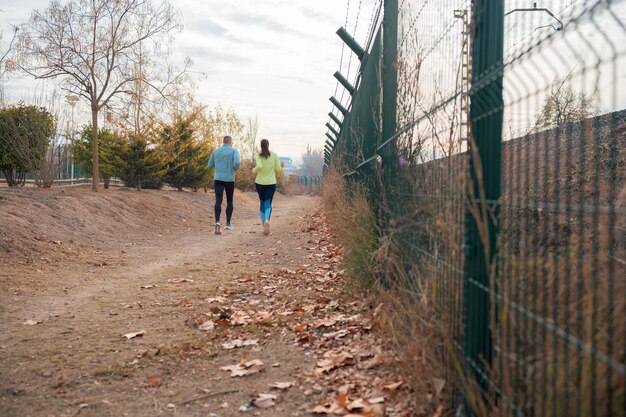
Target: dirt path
222	318
76	360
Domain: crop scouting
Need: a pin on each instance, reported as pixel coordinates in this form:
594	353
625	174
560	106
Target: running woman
266	169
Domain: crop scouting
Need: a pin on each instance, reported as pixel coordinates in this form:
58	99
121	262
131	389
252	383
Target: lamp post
72	100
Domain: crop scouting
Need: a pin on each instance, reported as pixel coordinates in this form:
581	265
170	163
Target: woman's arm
277	166
258	164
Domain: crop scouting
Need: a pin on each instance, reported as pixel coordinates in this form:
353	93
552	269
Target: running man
226	161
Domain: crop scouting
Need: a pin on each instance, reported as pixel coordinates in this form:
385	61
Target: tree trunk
8	176
94	140
21	178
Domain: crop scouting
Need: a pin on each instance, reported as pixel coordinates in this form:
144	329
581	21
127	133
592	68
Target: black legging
220	186
266	195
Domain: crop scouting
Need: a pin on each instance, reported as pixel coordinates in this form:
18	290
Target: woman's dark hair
265	149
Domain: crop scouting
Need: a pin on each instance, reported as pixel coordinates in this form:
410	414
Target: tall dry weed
354	223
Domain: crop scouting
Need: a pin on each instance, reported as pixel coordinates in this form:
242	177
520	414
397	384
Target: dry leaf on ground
134	334
154	381
217	299
207	325
239	343
282	385
265	400
179	280
244	368
393	386
328	322
374	362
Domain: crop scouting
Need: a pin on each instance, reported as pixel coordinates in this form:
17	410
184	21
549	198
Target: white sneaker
266	227
229	226
217	228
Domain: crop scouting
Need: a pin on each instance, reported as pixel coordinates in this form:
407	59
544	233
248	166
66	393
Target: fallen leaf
282	385
357	404
374	362
335	335
135	334
374	410
239	343
239	318
215	300
178	280
154	381
439	384
32	322
265	400
393	386
338	406
207	325
147	287
244	368
332	361
327	322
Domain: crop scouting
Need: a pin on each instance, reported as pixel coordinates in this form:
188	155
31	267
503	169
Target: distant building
288	166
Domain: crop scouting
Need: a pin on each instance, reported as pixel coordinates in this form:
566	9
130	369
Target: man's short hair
228	139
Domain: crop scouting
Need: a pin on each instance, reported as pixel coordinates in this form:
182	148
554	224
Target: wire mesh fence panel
561	295
426	220
500	192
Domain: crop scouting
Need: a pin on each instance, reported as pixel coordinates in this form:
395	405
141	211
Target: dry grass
408	314
354	225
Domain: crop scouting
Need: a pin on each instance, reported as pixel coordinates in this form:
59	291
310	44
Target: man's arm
236	160
211	161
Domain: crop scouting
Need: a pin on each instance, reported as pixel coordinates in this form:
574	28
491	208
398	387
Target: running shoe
229	226
217	228
266	227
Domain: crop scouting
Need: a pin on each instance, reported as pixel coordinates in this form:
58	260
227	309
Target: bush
110	145
188	158
137	163
25	135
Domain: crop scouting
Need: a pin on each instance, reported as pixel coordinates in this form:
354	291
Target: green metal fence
312	184
491	137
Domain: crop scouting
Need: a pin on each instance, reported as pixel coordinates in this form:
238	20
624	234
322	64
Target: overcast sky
270	58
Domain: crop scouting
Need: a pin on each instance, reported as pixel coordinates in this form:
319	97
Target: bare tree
6	63
563	105
312	162
92	45
147	107
248	142
219	122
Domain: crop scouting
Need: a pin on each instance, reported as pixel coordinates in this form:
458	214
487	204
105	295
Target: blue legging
266	194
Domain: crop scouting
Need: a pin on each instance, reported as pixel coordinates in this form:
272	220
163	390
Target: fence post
390	90
483	211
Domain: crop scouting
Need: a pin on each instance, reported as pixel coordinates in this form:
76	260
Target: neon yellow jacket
266	169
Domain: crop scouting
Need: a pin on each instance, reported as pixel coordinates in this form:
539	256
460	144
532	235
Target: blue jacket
226	161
